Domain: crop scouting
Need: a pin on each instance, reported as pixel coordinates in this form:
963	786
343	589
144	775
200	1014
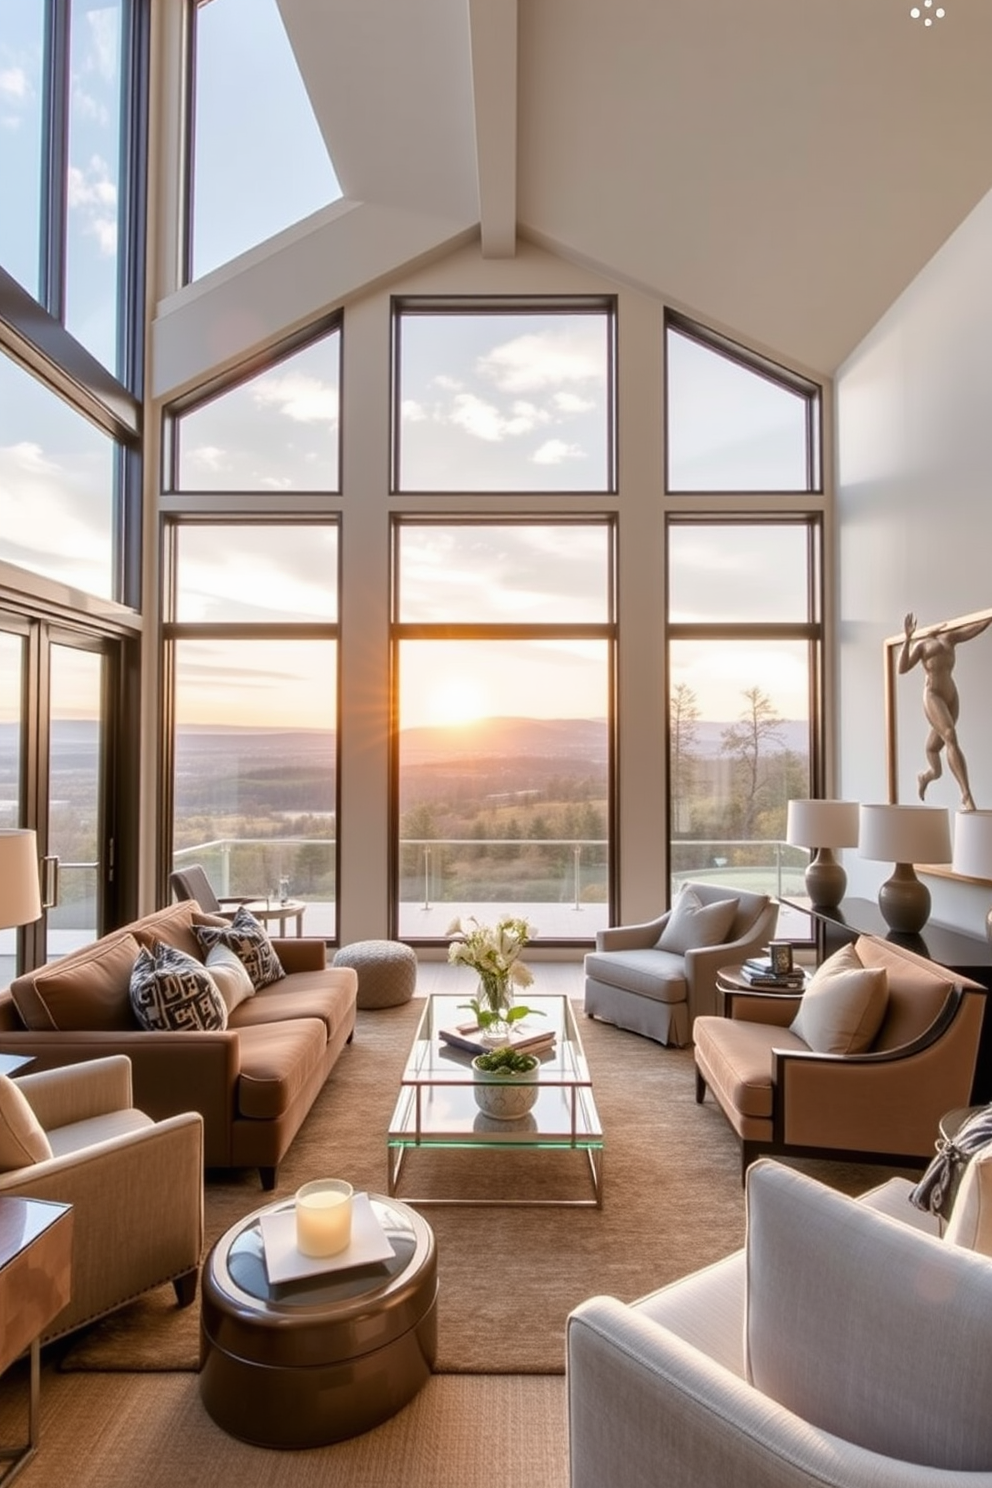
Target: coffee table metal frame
436	1106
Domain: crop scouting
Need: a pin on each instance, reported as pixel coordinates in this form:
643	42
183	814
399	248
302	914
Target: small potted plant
505	1083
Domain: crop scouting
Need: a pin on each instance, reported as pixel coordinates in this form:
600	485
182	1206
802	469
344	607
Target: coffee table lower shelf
409	1132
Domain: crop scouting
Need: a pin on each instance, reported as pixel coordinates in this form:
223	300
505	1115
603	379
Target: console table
968	955
35	1282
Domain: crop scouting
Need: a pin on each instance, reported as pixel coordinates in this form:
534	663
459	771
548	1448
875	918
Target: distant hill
509	738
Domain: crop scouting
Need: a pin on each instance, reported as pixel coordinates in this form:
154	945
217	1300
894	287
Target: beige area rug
507	1277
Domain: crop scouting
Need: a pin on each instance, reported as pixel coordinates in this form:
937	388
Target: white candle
323	1217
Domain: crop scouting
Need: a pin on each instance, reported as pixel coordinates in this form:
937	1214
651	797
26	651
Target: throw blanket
938	1186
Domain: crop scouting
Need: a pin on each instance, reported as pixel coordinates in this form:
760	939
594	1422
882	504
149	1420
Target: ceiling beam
493	39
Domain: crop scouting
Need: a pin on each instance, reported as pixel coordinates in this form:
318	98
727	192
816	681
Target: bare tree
745	743
683	715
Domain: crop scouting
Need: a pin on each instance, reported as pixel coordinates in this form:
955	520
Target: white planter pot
505	1097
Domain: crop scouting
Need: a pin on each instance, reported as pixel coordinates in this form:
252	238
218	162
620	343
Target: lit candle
323	1217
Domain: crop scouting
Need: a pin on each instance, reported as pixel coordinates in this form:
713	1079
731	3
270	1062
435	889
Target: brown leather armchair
883	1105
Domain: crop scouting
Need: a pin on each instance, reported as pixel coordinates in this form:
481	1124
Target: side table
268	911
309	1362
35	1285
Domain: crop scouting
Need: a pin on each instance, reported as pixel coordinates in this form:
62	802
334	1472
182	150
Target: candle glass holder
323	1216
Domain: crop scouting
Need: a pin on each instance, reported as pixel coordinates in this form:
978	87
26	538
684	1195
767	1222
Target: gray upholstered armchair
856	1356
136	1185
657	978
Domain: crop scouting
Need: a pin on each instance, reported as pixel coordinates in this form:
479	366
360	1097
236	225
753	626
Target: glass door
11	765
74	870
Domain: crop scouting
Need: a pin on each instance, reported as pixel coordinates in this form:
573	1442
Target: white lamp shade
973	844
822	824
905	834
20	896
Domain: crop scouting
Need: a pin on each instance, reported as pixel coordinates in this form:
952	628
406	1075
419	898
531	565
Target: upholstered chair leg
185	1287
700	1087
268	1177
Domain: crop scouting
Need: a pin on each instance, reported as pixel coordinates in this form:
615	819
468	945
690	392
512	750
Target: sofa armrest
646	1408
304	953
631	937
78	1091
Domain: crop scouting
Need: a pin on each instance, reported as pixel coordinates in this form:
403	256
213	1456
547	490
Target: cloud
93	195
412	412
55	513
207	457
543	360
306	400
448	384
476	417
555	451
103	37
14	84
572	403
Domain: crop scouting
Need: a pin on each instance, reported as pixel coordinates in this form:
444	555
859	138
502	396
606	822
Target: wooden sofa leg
185	1287
700	1087
268	1177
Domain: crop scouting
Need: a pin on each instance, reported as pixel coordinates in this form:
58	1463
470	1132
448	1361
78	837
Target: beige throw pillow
693	925
22	1140
87	991
842	1008
230	976
970	1223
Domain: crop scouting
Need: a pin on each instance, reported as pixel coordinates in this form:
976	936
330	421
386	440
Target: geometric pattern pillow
247	939
172	992
693	925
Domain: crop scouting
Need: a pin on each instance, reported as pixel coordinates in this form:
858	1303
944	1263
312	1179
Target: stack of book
468	1038
758	972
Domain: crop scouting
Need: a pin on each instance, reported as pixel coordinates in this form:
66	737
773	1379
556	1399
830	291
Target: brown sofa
883	1105
253	1082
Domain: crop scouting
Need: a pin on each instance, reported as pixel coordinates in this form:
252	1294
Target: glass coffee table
436	1106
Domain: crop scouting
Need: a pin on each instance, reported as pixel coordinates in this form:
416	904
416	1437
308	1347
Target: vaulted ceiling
779	168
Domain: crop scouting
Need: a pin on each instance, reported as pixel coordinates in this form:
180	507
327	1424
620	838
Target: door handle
49	881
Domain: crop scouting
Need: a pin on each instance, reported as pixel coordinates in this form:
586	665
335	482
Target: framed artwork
936	712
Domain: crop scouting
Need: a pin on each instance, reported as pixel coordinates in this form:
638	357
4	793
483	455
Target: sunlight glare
457	700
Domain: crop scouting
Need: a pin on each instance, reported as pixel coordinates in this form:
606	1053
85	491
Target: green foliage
505	1062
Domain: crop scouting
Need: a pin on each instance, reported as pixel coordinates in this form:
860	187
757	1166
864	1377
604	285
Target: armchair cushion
250	943
842	1008
22	1140
853	1320
171	991
693	924
970	1222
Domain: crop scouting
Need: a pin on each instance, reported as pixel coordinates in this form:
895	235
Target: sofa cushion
249	941
970	1222
172	991
230	975
693	924
738	1057
87	991
304	994
842	1008
277	1062
173	926
828	1334
22	1140
659	975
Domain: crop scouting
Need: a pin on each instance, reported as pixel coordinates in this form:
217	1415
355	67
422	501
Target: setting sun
457	700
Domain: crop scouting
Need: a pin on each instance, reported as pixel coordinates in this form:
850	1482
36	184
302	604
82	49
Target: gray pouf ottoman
387	971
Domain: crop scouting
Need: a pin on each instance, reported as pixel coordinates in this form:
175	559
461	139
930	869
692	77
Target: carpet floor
508	1277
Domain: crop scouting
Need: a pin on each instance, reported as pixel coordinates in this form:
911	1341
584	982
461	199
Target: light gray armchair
857	1357
136	1186
633	982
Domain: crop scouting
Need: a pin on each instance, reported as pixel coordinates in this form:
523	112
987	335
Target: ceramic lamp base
904	901
826	881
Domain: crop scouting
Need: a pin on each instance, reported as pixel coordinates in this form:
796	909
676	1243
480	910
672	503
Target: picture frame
906	724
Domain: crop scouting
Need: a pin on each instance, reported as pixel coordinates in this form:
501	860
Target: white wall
914	512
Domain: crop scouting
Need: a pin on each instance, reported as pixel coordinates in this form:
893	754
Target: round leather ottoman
387	971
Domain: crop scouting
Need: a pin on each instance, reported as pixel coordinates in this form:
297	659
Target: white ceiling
779	168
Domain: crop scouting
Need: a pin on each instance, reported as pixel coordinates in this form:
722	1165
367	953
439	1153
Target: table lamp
823	825
905	835
20	896
972	856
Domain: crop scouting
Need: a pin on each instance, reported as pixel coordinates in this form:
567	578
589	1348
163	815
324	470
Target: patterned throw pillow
248	940
172	992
